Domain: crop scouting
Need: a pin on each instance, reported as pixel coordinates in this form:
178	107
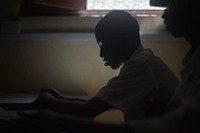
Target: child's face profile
111	56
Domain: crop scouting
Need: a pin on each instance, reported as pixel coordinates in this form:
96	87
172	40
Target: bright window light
120	4
137	7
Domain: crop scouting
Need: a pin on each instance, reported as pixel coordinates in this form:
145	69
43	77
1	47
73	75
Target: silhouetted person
144	84
183	111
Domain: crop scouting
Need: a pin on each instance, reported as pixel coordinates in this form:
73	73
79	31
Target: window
91	7
136	7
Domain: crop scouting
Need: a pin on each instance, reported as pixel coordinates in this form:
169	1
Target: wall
27	65
68	62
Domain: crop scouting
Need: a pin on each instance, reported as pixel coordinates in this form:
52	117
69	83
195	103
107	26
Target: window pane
120	4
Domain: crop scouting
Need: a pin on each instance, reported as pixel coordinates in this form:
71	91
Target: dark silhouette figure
182	112
141	90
